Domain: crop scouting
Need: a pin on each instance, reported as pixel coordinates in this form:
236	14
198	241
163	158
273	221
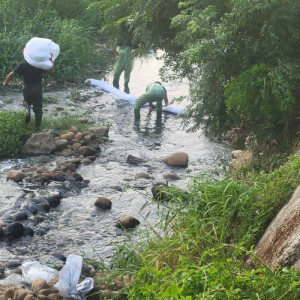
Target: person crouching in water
32	90
155	92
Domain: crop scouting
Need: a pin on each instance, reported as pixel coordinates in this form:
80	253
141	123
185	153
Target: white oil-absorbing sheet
126	97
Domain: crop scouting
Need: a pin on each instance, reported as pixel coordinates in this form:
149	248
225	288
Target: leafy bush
214	277
248	48
13	133
263	97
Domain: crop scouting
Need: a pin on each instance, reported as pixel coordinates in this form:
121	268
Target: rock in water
15	175
127	222
14	230
103	203
179	159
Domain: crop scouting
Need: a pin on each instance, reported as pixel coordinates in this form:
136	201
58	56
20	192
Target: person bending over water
155	92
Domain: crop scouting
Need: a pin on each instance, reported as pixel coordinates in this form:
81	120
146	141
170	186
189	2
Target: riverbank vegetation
241	58
203	246
243	63
71	24
13	133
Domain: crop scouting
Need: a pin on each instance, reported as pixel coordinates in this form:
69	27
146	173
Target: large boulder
179	159
280	244
40	143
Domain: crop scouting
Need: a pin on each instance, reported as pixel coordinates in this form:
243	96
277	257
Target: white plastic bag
69	275
33	270
83	288
38	52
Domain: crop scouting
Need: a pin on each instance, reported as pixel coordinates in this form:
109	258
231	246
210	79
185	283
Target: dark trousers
33	96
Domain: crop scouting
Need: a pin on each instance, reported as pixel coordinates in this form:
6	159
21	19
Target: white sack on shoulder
38	52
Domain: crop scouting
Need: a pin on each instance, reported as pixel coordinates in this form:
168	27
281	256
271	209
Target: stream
76	225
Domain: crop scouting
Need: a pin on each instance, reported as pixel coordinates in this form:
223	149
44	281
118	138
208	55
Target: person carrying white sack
39	55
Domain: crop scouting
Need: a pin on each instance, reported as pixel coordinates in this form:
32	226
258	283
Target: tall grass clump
38	18
204	248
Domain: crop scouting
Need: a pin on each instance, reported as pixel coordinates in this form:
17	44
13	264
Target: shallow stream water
76	226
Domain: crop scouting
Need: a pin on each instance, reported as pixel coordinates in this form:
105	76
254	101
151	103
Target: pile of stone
72	143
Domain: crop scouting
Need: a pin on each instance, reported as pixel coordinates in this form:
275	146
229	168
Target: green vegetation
203	246
13	132
241	57
50	100
242	61
62	21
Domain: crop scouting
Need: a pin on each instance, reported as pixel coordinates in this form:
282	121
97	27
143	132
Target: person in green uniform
155	92
125	57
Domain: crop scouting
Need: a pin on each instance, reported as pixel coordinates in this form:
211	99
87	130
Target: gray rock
171	176
142	175
103	203
21	216
2	269
59	256
99	132
14	230
1	231
86	161
127	222
61	144
15	175
40	143
28	231
41	204
68	136
13	264
179	159
134	160
158	192
68	167
236	154
86	151
54	201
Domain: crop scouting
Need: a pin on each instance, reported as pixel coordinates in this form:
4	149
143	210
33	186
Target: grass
14	133
205	249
